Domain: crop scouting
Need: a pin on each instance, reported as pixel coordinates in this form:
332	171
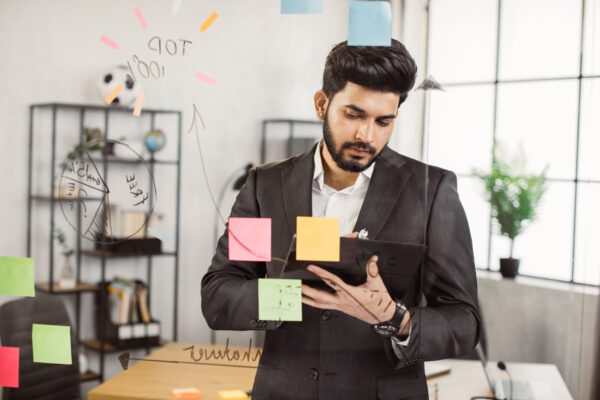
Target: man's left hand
369	302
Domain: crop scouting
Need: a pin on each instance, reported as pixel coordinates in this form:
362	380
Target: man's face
358	124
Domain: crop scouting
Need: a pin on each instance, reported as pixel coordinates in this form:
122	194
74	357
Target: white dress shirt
344	204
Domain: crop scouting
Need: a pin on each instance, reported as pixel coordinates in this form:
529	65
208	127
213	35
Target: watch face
384	330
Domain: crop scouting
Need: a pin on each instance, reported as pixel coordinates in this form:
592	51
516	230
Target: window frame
496	83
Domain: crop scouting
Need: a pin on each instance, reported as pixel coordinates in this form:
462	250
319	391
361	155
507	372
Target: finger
352	235
323	274
332	285
319	295
316	304
372	268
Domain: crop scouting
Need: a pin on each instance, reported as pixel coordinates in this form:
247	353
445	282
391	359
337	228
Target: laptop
502	390
398	264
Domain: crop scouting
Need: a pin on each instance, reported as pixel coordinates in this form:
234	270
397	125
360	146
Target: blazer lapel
297	188
387	182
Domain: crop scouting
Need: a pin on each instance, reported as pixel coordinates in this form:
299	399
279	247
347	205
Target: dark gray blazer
330	355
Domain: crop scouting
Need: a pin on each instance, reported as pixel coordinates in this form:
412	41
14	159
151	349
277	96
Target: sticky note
9	367
280	299
317	239
51	344
370	23
233	395
301	6
187	393
16	276
249	239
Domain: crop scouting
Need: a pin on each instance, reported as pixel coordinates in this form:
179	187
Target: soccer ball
109	80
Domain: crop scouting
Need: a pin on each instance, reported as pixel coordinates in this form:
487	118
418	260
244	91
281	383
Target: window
513	73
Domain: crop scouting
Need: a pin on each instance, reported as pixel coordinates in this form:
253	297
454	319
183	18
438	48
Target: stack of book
128	301
128	321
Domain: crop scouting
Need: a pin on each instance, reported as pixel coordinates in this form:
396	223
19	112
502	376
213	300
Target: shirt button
314	374
325	315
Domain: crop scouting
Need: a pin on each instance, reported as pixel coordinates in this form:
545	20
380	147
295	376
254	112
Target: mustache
359	145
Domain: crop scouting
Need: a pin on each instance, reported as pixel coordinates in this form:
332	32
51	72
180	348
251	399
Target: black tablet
398	264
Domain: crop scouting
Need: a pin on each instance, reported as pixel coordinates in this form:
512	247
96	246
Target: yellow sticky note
233	395
317	239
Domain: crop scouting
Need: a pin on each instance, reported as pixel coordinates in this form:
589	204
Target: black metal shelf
100	107
117	160
108	254
89	376
58	111
63	199
80	287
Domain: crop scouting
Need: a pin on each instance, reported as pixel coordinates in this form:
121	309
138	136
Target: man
335	352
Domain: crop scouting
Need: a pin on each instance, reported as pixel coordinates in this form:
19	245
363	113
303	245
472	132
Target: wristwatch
391	327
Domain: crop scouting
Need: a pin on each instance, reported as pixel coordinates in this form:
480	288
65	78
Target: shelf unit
39	200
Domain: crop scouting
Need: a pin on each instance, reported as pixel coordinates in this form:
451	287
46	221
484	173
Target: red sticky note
9	367
249	239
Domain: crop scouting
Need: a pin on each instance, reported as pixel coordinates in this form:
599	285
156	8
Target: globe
154	140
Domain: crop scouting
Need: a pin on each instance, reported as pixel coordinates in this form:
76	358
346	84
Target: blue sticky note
370	23
301	6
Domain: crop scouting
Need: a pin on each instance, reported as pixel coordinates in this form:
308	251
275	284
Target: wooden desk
154	380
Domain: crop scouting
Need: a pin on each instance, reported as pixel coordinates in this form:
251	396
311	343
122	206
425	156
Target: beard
353	164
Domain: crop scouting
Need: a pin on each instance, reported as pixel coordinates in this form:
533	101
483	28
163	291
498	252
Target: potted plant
514	197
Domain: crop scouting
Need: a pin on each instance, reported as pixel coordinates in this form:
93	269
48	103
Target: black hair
384	69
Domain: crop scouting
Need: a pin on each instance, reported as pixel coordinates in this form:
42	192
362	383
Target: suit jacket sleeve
448	325
229	289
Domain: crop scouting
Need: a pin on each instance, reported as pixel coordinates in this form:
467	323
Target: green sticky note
51	344
16	276
280	299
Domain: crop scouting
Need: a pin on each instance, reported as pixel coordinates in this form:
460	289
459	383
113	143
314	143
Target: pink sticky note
205	78
140	17
249	239
9	367
109	42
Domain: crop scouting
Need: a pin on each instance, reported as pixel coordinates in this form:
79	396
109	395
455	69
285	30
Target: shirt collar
319	174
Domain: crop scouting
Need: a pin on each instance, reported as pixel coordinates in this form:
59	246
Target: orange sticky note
317	239
9	367
187	393
233	395
114	93
249	239
209	21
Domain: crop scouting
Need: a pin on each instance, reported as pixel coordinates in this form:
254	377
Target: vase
67	274
509	267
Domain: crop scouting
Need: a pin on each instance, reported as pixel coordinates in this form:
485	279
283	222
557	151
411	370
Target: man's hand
369	302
